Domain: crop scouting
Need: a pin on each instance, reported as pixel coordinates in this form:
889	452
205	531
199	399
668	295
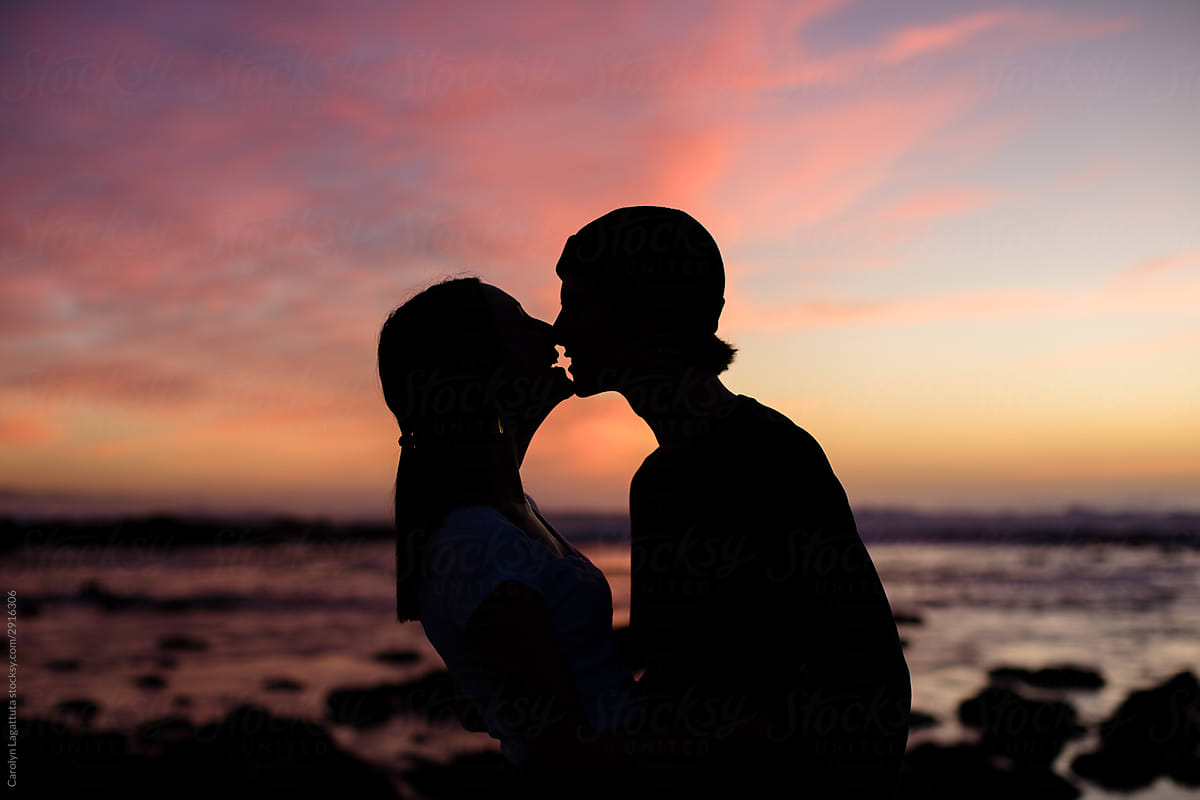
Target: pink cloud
27	429
922	40
917	41
216	218
1090	174
1001	29
1134	290
1160	265
950	306
131	382
812	166
939	203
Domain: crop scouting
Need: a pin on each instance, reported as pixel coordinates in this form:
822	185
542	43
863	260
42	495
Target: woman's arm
512	635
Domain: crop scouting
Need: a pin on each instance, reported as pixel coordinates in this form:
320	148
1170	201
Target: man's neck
679	407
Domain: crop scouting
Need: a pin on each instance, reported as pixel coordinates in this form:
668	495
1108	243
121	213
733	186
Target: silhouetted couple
766	646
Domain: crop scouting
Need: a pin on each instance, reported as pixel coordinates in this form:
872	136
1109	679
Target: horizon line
201	511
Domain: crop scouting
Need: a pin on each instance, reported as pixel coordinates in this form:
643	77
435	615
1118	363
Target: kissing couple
761	649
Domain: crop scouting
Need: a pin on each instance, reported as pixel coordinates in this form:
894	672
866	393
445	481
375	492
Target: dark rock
296	755
250	752
182	643
1007	675
918	720
908	618
207	602
1186	772
397	657
92	592
487	774
434	696
64	665
1063	676
471	775
82	708
157	659
282	685
181	701
164	731
150	682
1121	773
1030	732
938	772
54	755
1153	732
360	708
171	604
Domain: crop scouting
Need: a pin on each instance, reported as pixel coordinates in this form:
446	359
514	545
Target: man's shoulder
757	427
754	414
753	439
651	465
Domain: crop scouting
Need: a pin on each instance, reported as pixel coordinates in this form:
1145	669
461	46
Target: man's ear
718	306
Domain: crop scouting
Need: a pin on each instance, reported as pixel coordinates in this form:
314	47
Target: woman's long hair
438	352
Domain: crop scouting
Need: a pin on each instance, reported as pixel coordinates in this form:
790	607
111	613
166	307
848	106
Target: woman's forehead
501	303
497	295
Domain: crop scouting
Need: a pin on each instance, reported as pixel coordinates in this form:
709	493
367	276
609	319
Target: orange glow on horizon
961	244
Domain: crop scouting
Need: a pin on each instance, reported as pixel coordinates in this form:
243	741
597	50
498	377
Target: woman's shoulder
475	523
479	513
480	538
474	517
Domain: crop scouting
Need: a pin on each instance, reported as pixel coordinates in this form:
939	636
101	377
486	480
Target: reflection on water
318	615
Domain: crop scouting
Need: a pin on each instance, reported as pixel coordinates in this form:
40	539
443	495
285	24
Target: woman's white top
474	550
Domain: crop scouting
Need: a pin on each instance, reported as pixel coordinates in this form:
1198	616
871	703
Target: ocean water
318	613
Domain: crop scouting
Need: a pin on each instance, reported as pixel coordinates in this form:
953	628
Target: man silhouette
768	645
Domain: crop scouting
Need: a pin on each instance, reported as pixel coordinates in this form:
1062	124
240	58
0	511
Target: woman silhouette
522	620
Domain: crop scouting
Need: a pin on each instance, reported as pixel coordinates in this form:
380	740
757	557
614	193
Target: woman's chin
561	375
563	386
541	395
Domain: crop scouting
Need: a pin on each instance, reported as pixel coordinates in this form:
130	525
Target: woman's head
461	357
469	376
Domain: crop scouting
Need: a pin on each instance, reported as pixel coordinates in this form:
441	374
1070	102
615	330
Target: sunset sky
962	238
